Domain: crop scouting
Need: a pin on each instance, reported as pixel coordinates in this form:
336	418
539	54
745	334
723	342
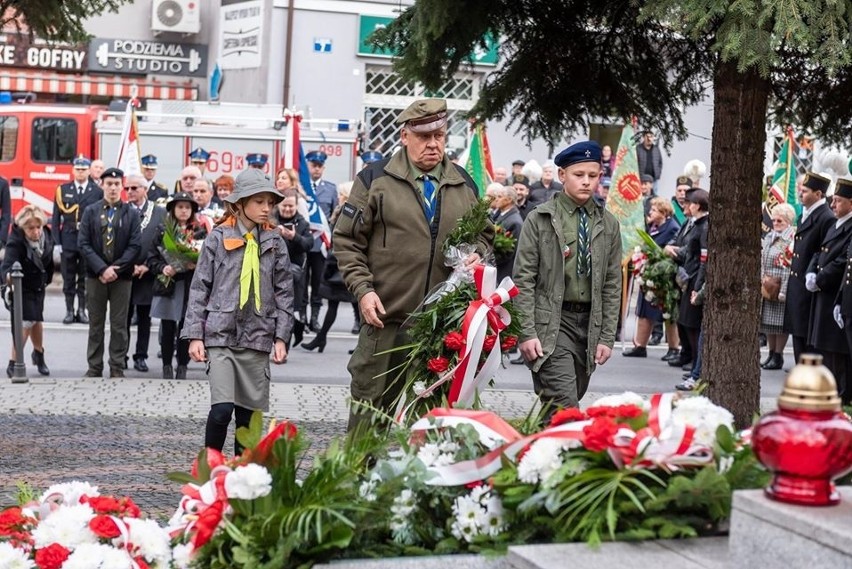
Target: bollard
20	373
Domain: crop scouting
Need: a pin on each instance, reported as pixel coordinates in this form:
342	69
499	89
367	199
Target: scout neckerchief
250	270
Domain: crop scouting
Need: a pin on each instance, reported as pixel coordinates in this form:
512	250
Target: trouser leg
143	330
119	302
97	297
316	265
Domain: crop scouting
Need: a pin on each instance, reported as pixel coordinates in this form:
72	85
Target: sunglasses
132	187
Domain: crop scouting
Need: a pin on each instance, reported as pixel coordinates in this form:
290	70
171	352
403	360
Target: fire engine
38	142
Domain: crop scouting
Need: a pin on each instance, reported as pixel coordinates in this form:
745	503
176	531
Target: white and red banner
129	154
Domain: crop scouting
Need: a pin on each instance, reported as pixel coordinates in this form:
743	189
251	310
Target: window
54	140
8	138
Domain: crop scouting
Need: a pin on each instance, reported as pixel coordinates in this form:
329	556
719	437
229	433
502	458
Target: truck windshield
8	138
54	139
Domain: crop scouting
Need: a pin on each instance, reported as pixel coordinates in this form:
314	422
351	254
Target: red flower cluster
618	412
600	435
438	365
104	527
263	451
52	556
109	505
454	341
568	415
14	526
509	342
490	341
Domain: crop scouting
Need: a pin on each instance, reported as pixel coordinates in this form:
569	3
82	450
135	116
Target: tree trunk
730	360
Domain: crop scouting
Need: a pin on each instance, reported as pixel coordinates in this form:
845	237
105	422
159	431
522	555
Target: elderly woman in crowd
662	227
775	271
31	245
224	186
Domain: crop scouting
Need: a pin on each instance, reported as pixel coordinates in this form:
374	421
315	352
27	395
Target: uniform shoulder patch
349	210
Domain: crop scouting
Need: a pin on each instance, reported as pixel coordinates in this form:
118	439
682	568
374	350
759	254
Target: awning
98	85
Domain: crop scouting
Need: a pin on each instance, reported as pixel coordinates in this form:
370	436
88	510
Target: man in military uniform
154	189
843	309
388	239
810	231
568	274
110	240
325	194
370	156
257	160
71	200
824	279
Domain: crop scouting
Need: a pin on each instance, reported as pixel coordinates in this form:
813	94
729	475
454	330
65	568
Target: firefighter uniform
156	190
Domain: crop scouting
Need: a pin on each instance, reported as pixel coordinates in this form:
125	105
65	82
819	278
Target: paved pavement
124	435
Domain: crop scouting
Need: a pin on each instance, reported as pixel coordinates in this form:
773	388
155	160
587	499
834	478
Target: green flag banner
478	163
625	195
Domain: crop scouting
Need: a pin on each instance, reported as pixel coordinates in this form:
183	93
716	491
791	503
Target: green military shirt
577	289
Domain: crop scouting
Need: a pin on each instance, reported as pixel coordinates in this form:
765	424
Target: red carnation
509	342
12	519
490	340
438	365
141	563
628	411
600	434
51	557
568	415
454	341
104	527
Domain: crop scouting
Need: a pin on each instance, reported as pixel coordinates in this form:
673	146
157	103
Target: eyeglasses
779	221
132	187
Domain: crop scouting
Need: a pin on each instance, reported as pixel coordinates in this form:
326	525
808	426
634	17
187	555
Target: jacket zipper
382	219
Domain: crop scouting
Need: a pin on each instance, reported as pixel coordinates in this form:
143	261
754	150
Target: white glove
837	316
58	248
810	282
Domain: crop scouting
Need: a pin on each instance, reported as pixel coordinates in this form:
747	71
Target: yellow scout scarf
250	272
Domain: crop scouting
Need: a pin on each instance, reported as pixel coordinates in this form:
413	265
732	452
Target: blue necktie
429	197
584	252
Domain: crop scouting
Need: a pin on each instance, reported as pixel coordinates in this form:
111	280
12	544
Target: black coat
127	240
692	257
809	236
38	271
157	191
511	222
65	225
332	286
143	287
301	244
5	210
539	194
829	264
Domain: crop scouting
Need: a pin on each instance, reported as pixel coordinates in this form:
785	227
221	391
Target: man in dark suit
5	211
810	232
843	313
154	189
151	216
326	198
71	200
824	279
110	241
509	220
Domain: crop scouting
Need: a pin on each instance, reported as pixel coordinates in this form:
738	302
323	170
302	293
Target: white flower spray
478	513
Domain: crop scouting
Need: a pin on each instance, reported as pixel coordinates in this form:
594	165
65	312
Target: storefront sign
18	50
147	57
241	35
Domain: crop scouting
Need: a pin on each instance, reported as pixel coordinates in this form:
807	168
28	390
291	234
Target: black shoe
356	328
519	360
671	354
679	361
777	362
770	357
687	366
352	351
317	342
38	361
168	372
140	364
116	373
655	340
761	339
298	332
93	373
180	372
687	375
69	317
126	360
10	369
82	318
636	352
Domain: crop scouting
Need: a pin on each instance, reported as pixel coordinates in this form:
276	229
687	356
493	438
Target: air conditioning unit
181	16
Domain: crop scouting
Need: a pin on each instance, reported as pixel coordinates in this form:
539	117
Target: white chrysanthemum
542	459
419	387
71	492
704	416
248	482
182	555
626	398
650	284
14	558
98	556
68	526
480	512
150	541
428	454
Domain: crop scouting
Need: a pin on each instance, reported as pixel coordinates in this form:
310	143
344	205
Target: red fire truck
38	142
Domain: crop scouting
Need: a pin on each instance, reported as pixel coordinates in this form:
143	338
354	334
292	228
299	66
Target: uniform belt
577	306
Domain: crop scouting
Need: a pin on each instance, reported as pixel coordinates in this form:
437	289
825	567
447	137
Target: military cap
606	182
683	181
647	179
149	161
843	188
317	156
521	179
371	156
257	159
816	182
518	163
199	155
698	196
82	162
424	115
584	151
112	173
252	182
182	197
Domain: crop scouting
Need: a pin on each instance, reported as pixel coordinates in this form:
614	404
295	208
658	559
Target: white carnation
626	398
704	416
98	556
150	541
71	492
14	558
182	555
68	526
248	482
543	458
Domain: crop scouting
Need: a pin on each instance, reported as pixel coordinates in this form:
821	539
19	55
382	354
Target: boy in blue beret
568	266
257	160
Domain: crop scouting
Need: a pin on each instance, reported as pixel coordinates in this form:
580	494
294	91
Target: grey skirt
240	376
170	307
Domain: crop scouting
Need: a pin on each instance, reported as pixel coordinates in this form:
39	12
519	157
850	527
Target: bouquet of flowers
655	272
71	526
180	249
459	334
504	241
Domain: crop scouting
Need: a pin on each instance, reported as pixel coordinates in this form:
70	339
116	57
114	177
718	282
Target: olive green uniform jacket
540	278
383	242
